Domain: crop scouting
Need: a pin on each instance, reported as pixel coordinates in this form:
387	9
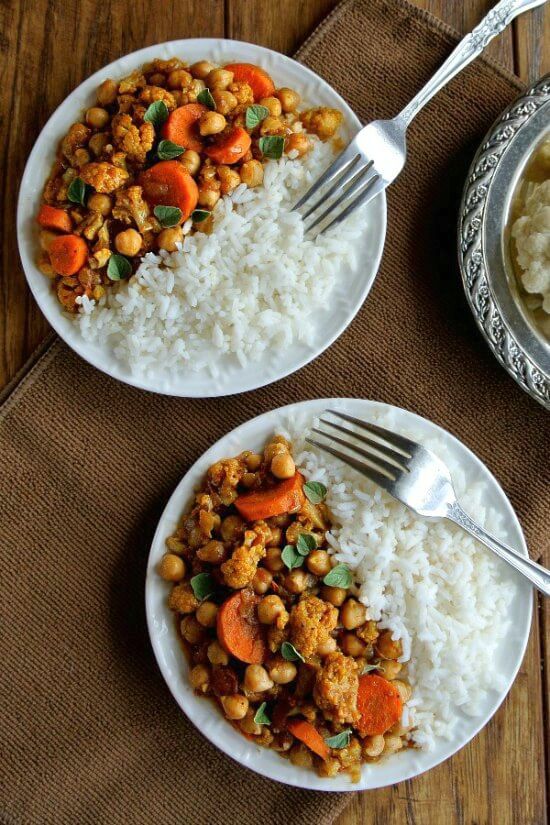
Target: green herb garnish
203	585
339	576
167	215
157	113
254	115
200	215
271	146
289	652
261	717
78	191
339	740
205	97
291	557
305	544
168	150
118	268
315	491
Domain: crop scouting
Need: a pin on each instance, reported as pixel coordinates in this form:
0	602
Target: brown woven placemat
91	734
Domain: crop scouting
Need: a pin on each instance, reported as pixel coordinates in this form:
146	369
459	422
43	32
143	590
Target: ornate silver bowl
483	241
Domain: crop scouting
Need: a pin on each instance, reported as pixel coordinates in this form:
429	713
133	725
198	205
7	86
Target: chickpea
353	614
201	69
373	746
206	613
98	142
191	630
392	744
289	99
276	537
273	559
216	654
169	238
298	142
387	647
334	595
191	160
248	725
218	79
81	158
46	268
389	668
272	126
229	179
252	173
261	581
405	690
157	79
107	92
212	123
174	544
301	756
100	203
253	461
225	101
232	528
172	568
318	563
282	672
296	581
273	448
270	608
249	479
256	679
352	645
128	242
212	552
235	707
179	79
283	466
327	647
97	117
208	198
45	238
200	678
273	105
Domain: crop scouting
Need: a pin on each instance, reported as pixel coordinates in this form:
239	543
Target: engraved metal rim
504	325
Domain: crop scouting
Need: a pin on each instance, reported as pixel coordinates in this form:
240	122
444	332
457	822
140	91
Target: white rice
253	285
441	593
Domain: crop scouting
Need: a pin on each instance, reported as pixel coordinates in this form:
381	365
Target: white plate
205	715
348	294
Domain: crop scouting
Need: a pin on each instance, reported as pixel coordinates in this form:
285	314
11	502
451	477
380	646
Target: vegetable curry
149	161
268	618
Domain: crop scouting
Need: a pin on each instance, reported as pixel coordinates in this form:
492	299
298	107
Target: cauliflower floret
311	622
243	92
134	141
130	207
531	233
103	177
336	686
182	599
77	137
322	121
132	83
239	570
151	94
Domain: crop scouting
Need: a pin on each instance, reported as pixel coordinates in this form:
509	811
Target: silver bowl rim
493	176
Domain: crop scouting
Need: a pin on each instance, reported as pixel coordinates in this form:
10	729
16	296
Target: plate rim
152	581
113	367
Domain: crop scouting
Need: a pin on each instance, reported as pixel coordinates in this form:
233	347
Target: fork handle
467	50
536	573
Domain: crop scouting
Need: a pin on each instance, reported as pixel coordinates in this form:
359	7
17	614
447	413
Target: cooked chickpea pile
270	623
168	135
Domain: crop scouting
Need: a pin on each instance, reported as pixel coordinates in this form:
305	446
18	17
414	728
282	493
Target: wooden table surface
47	47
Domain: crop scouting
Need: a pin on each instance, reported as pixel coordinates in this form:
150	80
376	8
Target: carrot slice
285	497
258	79
229	147
182	124
379	703
168	183
51	218
68	254
306	733
239	630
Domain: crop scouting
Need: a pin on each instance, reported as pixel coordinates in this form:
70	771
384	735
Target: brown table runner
91	732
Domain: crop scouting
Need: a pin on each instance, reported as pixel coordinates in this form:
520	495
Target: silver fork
418	478
377	153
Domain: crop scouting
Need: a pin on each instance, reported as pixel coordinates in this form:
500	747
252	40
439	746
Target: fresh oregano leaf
167	215
271	146
167	150
339	576
315	491
205	97
254	115
339	740
203	585
291	557
118	268
200	215
289	652
157	113
261	717
78	191
305	544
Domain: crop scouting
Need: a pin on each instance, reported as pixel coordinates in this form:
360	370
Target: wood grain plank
532	44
